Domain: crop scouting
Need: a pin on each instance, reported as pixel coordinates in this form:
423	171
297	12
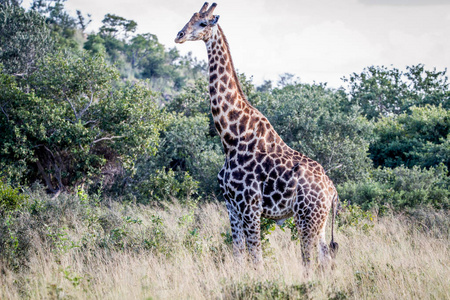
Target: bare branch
4	112
56	194
90	121
108	138
335	167
73	108
71	105
50	151
87	105
20	74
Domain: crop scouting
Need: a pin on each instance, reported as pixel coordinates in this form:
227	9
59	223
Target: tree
420	138
428	87
381	92
187	146
24	39
63	26
116	26
74	123
82	20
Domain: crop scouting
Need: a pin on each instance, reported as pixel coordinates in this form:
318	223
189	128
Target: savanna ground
78	247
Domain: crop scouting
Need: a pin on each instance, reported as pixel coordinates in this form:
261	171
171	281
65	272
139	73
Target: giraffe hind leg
307	242
324	252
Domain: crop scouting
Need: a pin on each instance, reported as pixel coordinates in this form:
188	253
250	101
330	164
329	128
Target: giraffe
261	176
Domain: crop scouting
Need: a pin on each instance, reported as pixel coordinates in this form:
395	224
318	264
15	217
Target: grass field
70	248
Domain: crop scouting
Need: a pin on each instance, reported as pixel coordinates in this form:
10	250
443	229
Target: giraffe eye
203	24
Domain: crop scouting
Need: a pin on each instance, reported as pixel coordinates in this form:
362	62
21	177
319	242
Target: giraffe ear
214	21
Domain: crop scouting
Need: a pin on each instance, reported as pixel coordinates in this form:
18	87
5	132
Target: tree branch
47	179
87	105
71	105
4	112
335	167
19	74
57	168
90	121
108	138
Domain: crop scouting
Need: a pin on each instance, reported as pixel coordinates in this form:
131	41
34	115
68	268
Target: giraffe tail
333	245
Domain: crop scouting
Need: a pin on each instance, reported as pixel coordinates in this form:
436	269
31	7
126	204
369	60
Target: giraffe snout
179	39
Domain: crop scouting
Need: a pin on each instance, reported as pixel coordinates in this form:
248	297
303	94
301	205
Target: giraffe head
199	26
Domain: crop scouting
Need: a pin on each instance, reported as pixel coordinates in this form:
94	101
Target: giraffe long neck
242	128
228	102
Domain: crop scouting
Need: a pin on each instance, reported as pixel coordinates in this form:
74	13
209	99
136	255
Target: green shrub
400	188
352	215
10	198
366	193
417	138
267	290
164	185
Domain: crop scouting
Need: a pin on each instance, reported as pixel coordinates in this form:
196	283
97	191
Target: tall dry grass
190	259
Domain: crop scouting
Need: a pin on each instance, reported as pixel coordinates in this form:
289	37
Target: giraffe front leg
252	230
237	234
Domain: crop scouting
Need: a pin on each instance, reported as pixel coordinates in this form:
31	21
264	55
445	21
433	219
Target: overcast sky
317	40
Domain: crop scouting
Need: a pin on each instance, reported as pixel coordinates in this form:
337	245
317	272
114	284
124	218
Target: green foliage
11	199
24	39
187	146
74	122
142	56
268	290
64	27
167	186
352	215
114	25
420	138
399	188
267	227
194	100
380	91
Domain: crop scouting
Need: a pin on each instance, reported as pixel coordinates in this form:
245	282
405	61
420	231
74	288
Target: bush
166	185
400	188
10	198
268	290
418	138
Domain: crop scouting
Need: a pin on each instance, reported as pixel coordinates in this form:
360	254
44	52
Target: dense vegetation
94	126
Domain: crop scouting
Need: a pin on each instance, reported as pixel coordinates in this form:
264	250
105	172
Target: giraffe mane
238	83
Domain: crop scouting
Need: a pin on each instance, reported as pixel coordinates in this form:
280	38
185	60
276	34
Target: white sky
317	40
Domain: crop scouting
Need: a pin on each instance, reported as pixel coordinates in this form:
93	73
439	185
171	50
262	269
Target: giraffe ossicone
261	176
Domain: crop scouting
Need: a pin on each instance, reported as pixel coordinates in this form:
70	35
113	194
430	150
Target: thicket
117	112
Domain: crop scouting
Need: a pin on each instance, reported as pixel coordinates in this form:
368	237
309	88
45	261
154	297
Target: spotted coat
261	176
